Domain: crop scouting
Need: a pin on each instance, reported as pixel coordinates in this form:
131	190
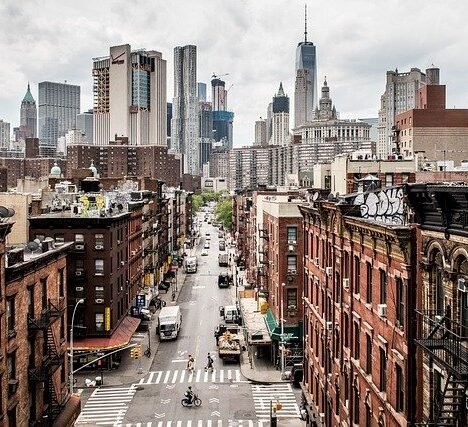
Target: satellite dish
11	212
315	196
3	212
38	241
33	246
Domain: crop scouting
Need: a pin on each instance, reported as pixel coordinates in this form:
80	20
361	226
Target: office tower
303	100
400	95
260	133
269	120
201	92
4	134
280	118
222	118
306	59
28	117
185	119
130	96
84	122
59	103
206	132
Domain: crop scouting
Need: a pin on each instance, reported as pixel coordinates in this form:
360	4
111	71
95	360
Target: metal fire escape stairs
54	401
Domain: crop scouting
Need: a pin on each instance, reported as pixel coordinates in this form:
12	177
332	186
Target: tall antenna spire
305	22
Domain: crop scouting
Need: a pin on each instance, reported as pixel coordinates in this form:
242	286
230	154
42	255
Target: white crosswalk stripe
201	423
106	406
263	395
197	376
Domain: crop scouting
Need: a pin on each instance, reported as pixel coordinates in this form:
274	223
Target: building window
369	283
346	266
357	274
292	234
99	241
400	301
346	329
400	389
368	354
31	301
368	416
291	298
79	238
437	282
11	316
292	264
383	369
99	267
99	322
383	287
44	292
356	406
388	179
61	282
99	292
11	366
357	341
59	239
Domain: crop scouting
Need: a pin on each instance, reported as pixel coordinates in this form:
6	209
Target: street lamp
80	301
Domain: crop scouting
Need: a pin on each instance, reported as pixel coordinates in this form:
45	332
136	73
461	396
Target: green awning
274	329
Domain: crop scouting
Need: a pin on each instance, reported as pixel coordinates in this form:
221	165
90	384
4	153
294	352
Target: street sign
141	300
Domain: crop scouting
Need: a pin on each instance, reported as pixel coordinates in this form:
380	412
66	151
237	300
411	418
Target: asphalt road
225	394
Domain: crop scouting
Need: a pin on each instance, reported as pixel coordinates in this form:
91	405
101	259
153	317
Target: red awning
70	413
120	338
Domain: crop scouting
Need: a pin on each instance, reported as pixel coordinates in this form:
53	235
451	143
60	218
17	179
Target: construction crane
217	76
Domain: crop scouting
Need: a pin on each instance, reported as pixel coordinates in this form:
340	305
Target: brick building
440	133
441	212
359	318
119	159
34	384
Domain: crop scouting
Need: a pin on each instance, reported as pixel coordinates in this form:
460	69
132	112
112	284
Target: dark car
224	280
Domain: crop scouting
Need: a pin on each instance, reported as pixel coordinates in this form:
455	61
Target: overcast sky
252	40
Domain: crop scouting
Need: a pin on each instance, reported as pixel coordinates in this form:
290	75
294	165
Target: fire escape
262	269
52	358
445	343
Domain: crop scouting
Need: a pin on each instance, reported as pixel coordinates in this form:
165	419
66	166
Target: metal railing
445	340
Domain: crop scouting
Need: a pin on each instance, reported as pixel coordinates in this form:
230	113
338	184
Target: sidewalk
131	370
253	368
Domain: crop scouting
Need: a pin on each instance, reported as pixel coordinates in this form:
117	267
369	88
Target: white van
230	313
169	322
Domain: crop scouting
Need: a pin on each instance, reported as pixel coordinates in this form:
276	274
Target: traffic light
277	406
135	352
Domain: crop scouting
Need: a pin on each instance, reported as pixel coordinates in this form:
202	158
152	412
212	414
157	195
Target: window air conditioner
462	285
79	289
79	247
316	261
382	310
133	253
329	271
291	248
329	326
439	319
291	242
346	283
292	271
78	273
99	247
99	301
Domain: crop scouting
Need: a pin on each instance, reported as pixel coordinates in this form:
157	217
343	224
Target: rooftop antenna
305	22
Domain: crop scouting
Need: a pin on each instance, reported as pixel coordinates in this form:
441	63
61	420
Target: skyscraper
28	117
260	133
4	134
84	122
280	118
400	95
201	91
222	118
130	96
185	118
59	103
305	96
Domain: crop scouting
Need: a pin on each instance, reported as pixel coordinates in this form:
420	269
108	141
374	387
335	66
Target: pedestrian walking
209	364
190	363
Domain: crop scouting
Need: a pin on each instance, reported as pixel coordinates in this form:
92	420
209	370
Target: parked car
207	245
297	373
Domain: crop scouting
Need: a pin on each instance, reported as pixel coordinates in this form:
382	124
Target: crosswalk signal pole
273	419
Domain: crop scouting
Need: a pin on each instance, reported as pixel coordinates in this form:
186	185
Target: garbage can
98	381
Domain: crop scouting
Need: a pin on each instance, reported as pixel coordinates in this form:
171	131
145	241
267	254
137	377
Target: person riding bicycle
190	394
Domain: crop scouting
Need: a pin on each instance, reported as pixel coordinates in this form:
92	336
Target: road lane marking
166	378
174	377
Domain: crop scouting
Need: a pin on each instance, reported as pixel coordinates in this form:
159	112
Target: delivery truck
190	264
169	323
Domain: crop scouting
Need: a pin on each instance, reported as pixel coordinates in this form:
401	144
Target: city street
227	397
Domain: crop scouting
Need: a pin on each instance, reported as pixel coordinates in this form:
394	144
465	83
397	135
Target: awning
70	412
119	338
290	332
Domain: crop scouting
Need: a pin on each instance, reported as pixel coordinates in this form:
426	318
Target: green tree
197	201
223	212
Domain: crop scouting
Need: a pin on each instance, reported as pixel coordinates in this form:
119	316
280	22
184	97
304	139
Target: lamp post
80	301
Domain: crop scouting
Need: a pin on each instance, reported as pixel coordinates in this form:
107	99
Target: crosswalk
264	395
106	406
201	423
197	376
